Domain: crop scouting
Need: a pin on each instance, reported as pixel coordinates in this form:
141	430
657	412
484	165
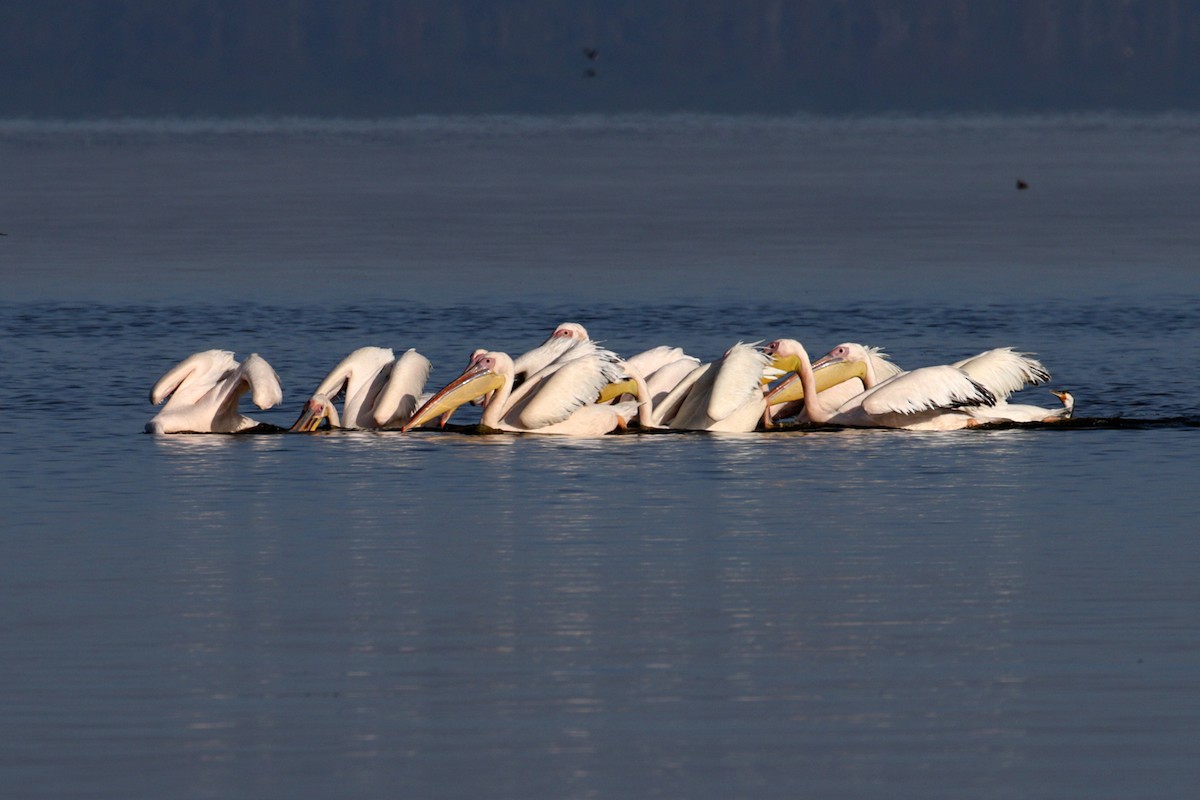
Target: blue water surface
984	613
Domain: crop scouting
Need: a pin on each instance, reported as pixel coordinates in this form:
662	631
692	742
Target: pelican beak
616	389
828	374
311	417
474	383
785	391
786	364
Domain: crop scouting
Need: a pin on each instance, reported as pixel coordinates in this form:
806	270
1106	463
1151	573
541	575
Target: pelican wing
575	348
265	390
667	377
573	384
361	365
400	397
650	361
665	411
925	389
739	377
193	377
1004	371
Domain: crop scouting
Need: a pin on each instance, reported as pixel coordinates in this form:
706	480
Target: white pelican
787	398
1002	371
725	395
555	400
204	390
929	398
380	390
562	339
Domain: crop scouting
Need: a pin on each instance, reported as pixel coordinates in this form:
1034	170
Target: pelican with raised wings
725	395
1002	371
380	390
203	390
557	399
929	398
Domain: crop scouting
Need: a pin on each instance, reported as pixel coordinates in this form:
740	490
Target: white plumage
378	390
203	390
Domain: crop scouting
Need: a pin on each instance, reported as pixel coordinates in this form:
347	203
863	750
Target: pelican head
318	409
486	373
843	353
788	355
570	330
785	354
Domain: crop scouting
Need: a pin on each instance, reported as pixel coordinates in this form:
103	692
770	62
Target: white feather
925	389
1004	371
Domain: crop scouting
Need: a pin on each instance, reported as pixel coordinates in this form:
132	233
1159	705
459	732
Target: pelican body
557	399
203	390
964	394
723	396
379	391
929	398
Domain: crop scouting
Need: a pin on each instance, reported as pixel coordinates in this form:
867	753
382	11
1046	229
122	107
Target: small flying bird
591	53
1021	184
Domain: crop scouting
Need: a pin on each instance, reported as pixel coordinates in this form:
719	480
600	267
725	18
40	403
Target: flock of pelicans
571	386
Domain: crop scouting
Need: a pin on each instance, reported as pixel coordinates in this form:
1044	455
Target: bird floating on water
379	391
203	390
557	399
570	385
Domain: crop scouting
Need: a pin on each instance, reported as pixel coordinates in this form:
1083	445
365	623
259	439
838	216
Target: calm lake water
991	614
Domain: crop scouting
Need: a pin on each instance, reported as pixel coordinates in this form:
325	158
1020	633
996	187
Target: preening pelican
380	390
558	399
203	390
725	395
929	398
